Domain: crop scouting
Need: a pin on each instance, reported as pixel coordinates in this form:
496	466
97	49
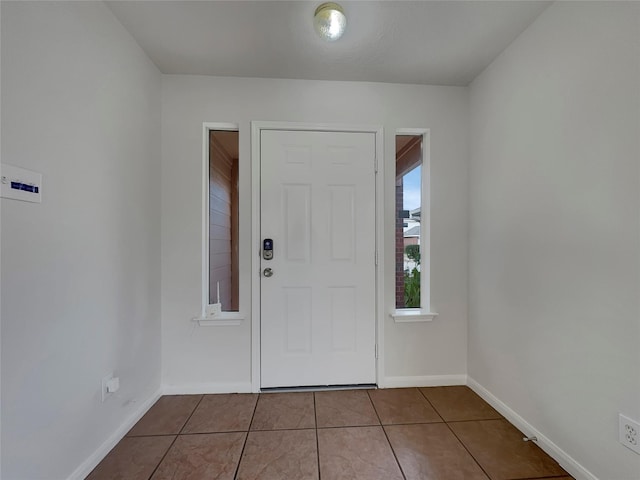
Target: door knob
267	272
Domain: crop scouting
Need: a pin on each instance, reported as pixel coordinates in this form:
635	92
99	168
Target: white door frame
256	128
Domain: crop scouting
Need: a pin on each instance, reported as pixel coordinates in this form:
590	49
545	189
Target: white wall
219	357
81	271
554	230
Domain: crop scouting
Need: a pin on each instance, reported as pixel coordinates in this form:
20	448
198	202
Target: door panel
297	222
297	319
318	308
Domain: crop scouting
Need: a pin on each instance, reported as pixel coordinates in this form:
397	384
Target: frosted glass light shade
329	21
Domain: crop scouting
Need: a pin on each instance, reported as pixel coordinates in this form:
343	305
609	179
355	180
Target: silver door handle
267	272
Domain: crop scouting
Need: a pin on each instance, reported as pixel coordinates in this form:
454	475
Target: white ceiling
421	42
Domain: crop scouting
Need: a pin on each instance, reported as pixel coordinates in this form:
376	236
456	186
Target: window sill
412	315
225	319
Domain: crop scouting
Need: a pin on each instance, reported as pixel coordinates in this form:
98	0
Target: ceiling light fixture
329	21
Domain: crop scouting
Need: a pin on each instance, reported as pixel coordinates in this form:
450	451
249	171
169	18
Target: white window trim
424	313
223	319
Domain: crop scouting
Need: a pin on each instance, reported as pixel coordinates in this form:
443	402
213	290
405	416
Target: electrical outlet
629	433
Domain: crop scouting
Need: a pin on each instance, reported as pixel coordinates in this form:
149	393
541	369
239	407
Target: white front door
318	307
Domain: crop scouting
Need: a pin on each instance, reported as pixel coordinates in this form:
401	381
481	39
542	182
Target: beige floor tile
402	405
222	413
356	453
132	458
284	411
459	403
202	457
350	443
431	452
498	447
344	408
280	455
167	416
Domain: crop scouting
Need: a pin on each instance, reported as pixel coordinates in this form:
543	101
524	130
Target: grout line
279	430
255	408
315	416
379	425
413	423
468	451
479	420
164	456
542	478
152	435
350	426
191	415
246	438
387	437
176	437
432	405
222	432
190	434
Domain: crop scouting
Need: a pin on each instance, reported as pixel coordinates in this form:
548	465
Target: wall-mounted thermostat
19	184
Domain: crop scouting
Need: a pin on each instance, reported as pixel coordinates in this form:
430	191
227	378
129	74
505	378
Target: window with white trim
412	229
220	229
223	220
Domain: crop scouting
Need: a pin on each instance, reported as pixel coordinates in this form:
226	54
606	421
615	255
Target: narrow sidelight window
223	219
408	228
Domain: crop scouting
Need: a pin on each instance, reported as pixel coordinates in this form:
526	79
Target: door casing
256	128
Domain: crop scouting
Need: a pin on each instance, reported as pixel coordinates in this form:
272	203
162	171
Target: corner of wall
85	468
565	460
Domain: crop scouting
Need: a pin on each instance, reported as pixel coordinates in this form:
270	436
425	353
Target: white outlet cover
629	433
105	382
113	385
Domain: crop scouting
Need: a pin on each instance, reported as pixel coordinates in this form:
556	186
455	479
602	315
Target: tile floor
446	433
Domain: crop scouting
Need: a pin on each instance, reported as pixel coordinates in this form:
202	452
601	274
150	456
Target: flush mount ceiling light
329	21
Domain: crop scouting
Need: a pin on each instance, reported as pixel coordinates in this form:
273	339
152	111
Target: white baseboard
90	463
199	388
424	381
563	458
